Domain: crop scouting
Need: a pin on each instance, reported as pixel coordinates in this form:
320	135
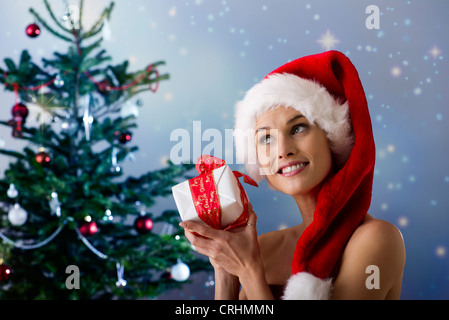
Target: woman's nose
286	147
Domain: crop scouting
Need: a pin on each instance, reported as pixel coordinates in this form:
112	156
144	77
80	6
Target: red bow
205	195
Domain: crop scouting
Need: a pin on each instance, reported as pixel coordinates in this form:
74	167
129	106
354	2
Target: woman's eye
265	139
299	128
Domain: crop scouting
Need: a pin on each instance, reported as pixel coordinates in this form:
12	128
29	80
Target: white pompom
305	286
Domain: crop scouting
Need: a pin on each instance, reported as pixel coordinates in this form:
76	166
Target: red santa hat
327	90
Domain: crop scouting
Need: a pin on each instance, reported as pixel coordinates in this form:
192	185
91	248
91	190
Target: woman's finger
252	217
200	229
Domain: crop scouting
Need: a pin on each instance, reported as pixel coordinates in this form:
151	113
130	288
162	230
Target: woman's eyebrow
294	118
288	123
262	129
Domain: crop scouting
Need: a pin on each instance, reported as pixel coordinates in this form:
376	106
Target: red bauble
88	228
5	272
33	30
143	224
43	158
20	114
125	137
20	110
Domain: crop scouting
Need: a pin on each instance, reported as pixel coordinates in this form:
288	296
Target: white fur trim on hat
308	97
305	286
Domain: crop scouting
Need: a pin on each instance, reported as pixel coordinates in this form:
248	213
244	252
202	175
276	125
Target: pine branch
50	11
81	14
46	26
11	153
96	28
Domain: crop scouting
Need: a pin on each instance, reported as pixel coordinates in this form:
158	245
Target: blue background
216	50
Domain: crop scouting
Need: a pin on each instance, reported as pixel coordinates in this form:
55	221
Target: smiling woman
296	155
313	141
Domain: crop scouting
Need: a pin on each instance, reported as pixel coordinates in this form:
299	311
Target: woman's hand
236	251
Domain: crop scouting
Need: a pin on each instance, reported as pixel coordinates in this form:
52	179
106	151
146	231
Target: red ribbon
205	195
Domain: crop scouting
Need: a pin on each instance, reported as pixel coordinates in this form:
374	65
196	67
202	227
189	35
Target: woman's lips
292	168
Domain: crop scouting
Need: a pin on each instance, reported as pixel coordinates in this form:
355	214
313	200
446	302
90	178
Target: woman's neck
306	203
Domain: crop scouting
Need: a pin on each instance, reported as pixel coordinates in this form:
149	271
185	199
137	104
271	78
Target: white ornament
88	119
69	125
17	216
12	191
55	205
59	83
180	271
71	18
121	282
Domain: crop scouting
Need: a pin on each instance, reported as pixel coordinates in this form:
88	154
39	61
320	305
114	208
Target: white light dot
440	251
183	51
417	91
316	17
168	96
390	148
395	71
384	206
172	12
403	221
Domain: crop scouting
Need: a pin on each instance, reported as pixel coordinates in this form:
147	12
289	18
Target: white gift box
228	193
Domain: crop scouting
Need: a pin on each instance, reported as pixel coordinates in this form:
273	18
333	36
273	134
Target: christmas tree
72	225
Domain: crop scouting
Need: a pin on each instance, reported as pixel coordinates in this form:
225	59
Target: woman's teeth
294	167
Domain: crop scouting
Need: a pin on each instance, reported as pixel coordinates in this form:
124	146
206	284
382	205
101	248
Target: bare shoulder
376	233
375	243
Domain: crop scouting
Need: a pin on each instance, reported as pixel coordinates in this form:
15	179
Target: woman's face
295	156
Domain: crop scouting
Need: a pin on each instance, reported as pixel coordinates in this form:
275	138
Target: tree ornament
20	114
55	205
71	17
121	282
108	215
12	191
69	125
180	271
33	30
124	137
88	119
43	157
59	83
88	228
143	224
166	275
17	216
5	271
115	168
